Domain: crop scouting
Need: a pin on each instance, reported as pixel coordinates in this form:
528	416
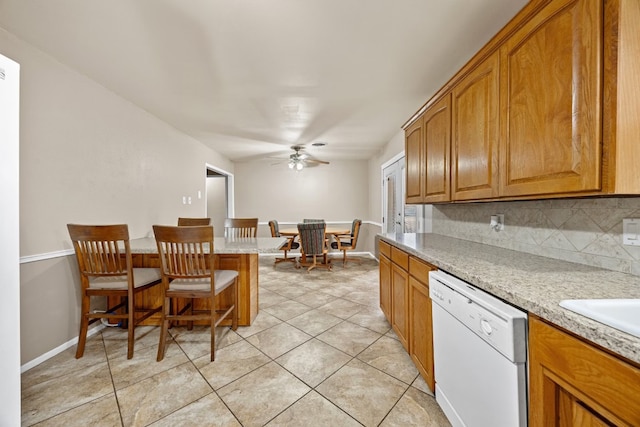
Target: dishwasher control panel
499	324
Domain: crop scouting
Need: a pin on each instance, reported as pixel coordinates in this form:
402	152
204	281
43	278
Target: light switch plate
631	231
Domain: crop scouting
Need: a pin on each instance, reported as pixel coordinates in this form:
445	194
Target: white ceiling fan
299	159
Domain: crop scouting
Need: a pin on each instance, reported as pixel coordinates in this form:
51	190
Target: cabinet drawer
400	257
420	269
385	249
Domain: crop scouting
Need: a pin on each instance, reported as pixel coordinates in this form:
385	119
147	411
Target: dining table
332	231
239	254
329	231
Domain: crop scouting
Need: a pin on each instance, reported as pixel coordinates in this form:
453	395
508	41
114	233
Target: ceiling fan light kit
296	164
299	161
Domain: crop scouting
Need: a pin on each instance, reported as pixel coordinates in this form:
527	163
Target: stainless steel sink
622	314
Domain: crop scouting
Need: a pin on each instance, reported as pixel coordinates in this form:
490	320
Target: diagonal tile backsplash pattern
585	231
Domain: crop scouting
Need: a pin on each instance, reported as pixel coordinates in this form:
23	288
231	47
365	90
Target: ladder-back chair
240	227
105	265
193	221
187	267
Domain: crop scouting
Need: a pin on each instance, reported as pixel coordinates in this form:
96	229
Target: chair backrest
240	227
100	249
312	237
355	231
308	220
185	252
275	230
193	221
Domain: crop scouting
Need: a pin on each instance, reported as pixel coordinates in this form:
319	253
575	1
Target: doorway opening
219	197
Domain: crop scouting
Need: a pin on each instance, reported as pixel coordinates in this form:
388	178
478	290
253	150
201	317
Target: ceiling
250	78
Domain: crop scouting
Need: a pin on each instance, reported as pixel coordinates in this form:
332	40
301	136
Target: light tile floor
320	353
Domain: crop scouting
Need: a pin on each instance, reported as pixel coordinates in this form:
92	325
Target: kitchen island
239	254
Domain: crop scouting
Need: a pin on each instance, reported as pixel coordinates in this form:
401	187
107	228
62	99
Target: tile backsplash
585	231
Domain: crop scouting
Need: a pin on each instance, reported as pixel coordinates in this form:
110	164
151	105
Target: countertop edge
613	340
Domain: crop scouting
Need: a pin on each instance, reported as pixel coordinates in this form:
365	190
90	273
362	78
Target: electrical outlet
497	222
631	231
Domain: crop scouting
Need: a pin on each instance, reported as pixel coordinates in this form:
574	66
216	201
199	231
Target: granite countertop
222	245
533	283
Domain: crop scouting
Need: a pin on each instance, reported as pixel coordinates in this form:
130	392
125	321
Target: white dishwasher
480	355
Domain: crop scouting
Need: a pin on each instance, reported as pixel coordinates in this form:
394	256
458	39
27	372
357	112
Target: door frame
230	185
10	242
383	197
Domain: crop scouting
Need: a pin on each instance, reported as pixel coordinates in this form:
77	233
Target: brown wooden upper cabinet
427	152
474	158
414	162
551	101
548	108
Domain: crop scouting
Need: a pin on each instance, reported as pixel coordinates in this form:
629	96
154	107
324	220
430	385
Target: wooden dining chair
105	265
314	244
187	268
348	242
193	221
240	227
291	243
309	220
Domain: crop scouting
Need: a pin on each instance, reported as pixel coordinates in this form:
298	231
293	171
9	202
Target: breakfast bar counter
239	254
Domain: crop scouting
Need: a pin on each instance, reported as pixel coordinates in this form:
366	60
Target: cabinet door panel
572	383
421	330
551	97
385	287
400	303
414	158
475	133
437	134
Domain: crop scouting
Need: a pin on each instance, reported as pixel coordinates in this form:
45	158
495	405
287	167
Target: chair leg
164	325
131	327
312	266
234	318
84	325
213	334
344	257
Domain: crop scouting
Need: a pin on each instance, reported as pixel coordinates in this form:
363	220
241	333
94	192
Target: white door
9	243
398	217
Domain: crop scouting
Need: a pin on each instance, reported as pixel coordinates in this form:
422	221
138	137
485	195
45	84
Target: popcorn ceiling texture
585	231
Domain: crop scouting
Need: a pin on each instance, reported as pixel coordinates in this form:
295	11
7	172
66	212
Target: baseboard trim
48	355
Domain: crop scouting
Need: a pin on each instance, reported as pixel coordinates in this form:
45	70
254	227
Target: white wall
9	244
88	156
336	192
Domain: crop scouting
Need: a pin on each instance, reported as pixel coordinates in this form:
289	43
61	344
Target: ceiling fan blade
322	162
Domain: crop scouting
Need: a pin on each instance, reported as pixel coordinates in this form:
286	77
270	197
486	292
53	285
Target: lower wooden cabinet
385	286
405	302
420	320
400	303
574	383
